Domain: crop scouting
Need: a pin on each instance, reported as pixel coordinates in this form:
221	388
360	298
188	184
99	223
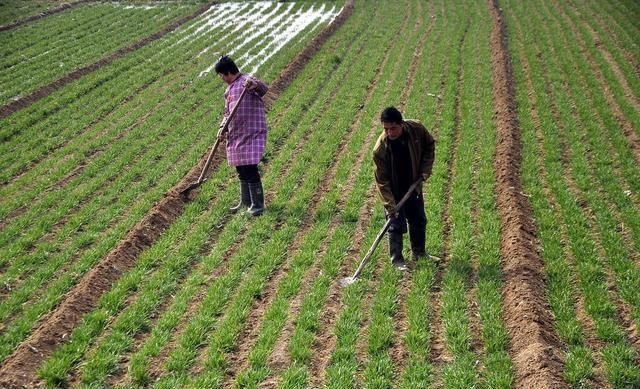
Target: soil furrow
42	15
626	125
630	94
20	368
48	89
158	362
239	359
325	341
623	315
585	320
398	352
534	346
439	354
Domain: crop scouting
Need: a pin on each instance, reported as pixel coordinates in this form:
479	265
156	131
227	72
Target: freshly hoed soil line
534	347
41	15
46	90
19	369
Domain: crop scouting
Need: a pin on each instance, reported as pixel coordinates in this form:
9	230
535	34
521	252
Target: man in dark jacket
403	154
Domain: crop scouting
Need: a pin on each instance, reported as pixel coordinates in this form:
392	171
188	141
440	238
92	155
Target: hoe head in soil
350	280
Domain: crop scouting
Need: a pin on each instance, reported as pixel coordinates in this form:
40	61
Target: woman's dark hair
391	115
225	65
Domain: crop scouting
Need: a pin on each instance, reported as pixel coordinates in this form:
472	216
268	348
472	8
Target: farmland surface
110	278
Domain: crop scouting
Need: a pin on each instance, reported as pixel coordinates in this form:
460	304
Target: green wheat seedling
588	265
80	48
89	100
627	274
33	128
26	327
616	33
285	196
153	345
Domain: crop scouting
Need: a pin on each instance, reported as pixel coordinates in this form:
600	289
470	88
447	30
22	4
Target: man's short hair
391	115
225	65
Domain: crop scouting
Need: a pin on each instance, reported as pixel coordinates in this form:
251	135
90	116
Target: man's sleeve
261	87
383	183
428	153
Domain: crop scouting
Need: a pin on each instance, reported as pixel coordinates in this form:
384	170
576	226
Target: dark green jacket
422	151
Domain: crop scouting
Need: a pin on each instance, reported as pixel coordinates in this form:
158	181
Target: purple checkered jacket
247	134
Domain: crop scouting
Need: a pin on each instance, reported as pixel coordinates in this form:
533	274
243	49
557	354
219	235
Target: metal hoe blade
347	281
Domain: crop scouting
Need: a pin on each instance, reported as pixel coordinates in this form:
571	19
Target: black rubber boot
417	238
395	250
257	199
245	197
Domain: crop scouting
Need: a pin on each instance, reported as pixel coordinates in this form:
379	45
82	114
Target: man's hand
425	176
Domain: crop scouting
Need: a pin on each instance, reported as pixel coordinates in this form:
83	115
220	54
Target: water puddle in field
265	25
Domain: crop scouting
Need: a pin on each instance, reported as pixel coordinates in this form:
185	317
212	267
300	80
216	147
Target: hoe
350	280
223	129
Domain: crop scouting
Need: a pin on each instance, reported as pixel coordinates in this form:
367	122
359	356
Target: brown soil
398	352
19	369
438	353
48	89
238	361
475	325
598	381
623	314
534	346
627	127
326	341
41	15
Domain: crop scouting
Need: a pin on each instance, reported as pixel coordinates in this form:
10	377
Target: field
110	278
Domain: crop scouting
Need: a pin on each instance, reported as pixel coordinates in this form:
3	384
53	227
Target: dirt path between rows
44	14
533	344
50	88
19	369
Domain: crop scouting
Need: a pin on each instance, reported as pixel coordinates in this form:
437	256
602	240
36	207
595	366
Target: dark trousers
412	212
248	173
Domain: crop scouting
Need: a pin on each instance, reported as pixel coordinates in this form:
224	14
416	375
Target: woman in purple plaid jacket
247	133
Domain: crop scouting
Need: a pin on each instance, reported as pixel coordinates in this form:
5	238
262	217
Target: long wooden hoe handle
223	129
384	229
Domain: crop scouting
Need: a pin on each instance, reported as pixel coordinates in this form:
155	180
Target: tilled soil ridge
19	369
534	347
48	89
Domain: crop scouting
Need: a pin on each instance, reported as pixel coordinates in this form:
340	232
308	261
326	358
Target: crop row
587	312
41	52
285	220
13	11
456	128
95	213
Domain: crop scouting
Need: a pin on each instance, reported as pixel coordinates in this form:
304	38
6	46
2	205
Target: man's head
226	69
391	120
